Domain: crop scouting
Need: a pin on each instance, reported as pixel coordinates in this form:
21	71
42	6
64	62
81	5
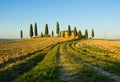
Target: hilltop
60	60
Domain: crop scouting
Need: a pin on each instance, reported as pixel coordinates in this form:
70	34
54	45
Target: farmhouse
65	34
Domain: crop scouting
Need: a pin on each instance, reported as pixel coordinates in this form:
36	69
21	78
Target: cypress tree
46	29
86	34
57	28
31	30
41	34
69	31
36	33
79	34
21	34
75	32
92	34
52	33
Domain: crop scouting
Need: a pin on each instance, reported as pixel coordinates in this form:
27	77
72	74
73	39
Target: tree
21	34
52	33
57	28
69	31
41	34
31	30
79	34
92	34
75	32
86	34
46	29
36	33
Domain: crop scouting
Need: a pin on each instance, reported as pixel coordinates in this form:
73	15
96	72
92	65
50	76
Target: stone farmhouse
65	34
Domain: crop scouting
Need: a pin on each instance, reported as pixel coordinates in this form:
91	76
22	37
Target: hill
60	60
4	40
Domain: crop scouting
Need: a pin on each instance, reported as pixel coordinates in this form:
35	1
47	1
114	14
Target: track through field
97	69
58	63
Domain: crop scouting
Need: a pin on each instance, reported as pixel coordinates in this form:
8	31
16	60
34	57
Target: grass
21	67
38	60
44	71
70	60
87	74
107	63
20	49
105	46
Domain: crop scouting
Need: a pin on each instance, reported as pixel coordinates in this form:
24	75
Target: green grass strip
87	74
45	71
106	63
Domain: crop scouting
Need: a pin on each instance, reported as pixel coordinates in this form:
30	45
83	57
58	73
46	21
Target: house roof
66	31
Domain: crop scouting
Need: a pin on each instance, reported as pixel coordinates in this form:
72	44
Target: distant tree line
76	33
46	34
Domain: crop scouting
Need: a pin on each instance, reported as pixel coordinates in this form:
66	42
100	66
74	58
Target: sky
101	15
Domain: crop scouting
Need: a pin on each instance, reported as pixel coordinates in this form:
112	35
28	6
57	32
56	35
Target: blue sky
101	15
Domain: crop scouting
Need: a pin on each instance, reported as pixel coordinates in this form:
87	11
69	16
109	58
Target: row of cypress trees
35	33
79	33
31	31
35	30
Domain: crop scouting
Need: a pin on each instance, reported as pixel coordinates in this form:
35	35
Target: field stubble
13	51
48	61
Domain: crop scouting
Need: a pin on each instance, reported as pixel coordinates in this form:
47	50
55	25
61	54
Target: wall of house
66	34
61	34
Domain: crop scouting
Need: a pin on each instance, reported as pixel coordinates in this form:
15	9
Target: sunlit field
15	50
108	47
60	60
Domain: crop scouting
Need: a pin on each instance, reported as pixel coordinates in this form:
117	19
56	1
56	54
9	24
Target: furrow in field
23	66
14	51
106	63
71	70
44	71
97	69
110	48
20	58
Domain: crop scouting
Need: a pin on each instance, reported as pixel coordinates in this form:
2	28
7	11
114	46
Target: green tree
75	32
41	34
79	34
69	31
57	28
52	33
36	33
21	34
86	34
46	29
92	34
31	30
